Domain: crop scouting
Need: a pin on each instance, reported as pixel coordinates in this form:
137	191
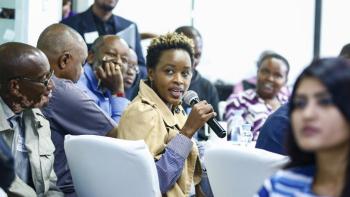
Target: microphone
191	98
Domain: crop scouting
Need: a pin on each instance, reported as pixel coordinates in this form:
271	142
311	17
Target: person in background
67	9
70	110
131	76
250	83
99	20
204	88
257	104
104	72
345	51
318	143
25	86
157	117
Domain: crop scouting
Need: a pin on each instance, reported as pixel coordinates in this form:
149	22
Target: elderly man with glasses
106	74
25	85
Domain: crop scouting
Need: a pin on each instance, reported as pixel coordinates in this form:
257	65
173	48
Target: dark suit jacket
84	23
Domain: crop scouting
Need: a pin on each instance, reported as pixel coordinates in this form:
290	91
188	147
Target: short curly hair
167	42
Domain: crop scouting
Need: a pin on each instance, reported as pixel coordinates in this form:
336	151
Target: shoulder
123	21
237	99
75	19
290	181
139	110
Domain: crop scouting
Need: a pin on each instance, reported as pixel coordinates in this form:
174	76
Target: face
106	5
272	76
317	123
35	87
172	75
198	45
74	68
115	50
130	75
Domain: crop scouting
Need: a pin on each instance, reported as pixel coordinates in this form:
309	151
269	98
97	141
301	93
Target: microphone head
189	96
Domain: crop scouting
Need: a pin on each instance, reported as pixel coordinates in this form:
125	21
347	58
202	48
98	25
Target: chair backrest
237	171
106	167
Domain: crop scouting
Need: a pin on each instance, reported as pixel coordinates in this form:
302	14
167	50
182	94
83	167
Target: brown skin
272	76
171	78
110	62
21	60
103	8
130	75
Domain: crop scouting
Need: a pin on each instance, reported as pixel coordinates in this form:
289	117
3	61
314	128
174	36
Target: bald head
18	59
59	38
65	49
188	31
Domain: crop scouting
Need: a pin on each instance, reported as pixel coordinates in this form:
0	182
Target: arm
170	165
118	105
76	112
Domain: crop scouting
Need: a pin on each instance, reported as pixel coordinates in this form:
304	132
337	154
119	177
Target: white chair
108	167
236	171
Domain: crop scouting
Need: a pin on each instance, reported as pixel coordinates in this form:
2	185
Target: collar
8	113
148	95
91	77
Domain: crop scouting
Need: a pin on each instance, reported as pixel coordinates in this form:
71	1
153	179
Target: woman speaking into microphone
156	115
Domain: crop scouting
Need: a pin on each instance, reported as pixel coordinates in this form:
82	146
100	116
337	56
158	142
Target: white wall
236	32
335	26
31	18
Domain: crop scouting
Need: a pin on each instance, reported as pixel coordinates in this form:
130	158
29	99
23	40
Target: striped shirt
295	182
255	110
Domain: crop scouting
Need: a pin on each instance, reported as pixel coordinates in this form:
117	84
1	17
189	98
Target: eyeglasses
134	67
45	82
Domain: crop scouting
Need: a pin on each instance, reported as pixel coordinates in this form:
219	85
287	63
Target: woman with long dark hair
319	141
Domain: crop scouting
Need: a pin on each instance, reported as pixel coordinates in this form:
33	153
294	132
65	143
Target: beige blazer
41	154
147	117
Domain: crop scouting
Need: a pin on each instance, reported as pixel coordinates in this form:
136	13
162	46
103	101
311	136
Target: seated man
70	110
103	75
131	76
25	84
204	88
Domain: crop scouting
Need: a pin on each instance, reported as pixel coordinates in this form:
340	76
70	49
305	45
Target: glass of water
245	134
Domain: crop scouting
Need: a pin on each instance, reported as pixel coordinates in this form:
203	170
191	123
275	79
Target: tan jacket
148	118
40	149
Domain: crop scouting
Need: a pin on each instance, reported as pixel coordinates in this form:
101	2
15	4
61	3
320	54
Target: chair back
236	171
107	167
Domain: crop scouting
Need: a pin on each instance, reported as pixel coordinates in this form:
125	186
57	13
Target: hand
111	76
200	114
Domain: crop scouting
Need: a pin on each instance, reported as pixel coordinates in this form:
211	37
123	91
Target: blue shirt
273	132
113	106
72	111
293	182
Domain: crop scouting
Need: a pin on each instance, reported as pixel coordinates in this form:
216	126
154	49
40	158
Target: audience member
257	104
157	117
67	9
104	72
70	110
273	132
318	143
204	88
131	77
7	171
99	20
345	51
25	85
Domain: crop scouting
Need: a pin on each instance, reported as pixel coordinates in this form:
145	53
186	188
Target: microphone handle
216	127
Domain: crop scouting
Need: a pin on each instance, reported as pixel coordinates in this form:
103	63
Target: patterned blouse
255	110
